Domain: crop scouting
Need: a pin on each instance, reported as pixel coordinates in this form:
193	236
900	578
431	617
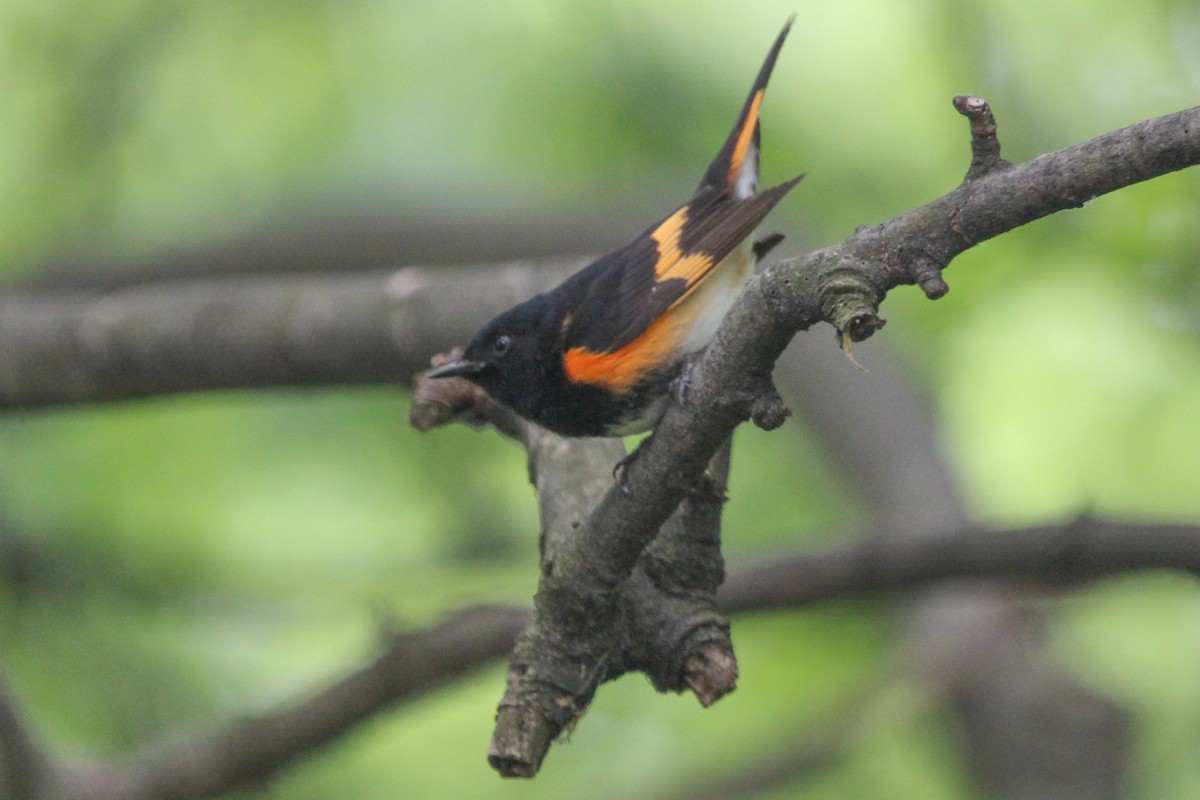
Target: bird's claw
620	472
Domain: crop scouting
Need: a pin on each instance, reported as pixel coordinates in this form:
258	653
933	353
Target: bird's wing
622	321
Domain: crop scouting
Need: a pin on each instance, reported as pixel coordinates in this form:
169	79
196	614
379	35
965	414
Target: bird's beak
456	369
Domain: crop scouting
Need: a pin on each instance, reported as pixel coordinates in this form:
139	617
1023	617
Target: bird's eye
501	345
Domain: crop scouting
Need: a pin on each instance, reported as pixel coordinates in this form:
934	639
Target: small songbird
598	355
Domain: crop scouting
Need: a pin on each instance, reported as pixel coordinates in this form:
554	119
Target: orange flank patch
738	157
672	263
621	370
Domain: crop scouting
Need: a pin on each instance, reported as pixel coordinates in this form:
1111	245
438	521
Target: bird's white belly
715	296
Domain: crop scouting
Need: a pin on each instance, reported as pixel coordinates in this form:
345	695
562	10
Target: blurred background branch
75	346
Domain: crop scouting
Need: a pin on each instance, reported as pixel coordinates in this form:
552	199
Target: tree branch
1046	555
843	285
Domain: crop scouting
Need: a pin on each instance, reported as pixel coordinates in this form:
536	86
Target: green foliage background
169	563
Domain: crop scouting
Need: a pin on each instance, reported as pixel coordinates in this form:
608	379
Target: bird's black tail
735	169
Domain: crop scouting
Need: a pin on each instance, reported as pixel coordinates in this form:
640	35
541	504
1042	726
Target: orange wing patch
619	371
738	157
672	263
666	239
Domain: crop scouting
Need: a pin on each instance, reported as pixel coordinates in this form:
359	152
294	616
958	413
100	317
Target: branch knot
768	411
850	303
928	275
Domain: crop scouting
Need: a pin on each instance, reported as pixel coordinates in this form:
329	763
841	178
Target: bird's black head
512	354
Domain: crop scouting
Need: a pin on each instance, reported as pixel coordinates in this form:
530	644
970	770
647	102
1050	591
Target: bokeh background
168	563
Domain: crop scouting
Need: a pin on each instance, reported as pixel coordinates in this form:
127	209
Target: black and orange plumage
596	355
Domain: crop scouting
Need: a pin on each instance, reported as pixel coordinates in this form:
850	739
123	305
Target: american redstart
597	355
